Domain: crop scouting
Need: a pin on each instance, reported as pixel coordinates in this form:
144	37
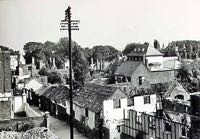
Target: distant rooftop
147	50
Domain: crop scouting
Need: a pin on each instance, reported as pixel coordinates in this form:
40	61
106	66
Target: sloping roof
128	68
141	92
139	50
42	89
58	94
91	96
146	50
151	51
177	87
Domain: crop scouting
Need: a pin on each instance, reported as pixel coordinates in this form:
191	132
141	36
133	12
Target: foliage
60	51
80	65
189	75
107	52
12	52
43	71
189	46
54	77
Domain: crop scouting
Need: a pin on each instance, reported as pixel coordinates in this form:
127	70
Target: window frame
128	100
147	99
119	103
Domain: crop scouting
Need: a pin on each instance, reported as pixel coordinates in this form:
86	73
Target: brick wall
5	110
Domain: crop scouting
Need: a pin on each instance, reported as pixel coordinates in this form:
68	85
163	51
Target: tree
32	49
107	52
54	77
189	75
80	65
43	72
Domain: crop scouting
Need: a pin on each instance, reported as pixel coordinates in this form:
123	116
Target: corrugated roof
91	96
128	68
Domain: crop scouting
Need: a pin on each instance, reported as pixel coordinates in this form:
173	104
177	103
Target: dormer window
143	49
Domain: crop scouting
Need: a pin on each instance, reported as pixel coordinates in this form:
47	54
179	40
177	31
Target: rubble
35	133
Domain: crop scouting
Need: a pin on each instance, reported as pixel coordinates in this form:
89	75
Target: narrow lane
60	128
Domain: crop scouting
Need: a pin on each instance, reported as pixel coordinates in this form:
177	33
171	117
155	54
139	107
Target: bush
43	72
54	77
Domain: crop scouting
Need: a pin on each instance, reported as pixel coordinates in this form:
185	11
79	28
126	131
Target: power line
68	24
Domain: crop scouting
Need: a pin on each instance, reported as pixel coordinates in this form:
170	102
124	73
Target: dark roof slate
144	49
91	96
58	94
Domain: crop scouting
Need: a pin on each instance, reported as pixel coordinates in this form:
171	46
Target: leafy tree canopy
12	52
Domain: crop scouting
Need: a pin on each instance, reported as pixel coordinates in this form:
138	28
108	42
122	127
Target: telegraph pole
68	24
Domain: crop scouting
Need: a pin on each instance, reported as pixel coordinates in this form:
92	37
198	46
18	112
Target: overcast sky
112	22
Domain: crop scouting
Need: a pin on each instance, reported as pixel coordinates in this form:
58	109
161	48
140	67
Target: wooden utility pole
68	24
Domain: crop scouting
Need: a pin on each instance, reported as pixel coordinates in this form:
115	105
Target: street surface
60	128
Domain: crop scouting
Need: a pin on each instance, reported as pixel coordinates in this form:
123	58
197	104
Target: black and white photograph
99	69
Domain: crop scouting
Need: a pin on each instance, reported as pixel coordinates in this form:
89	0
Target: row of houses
97	108
144	85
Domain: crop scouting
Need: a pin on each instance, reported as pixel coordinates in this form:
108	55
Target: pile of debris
35	133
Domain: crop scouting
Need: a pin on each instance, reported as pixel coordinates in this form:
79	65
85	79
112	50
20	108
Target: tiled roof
91	96
141	92
58	94
139	50
128	68
144	49
42	89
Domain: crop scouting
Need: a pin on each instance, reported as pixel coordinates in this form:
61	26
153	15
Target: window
118	128
141	80
29	67
125	88
130	102
86	112
168	127
179	97
152	122
117	103
147	100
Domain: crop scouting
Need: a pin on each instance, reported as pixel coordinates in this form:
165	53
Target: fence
144	126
